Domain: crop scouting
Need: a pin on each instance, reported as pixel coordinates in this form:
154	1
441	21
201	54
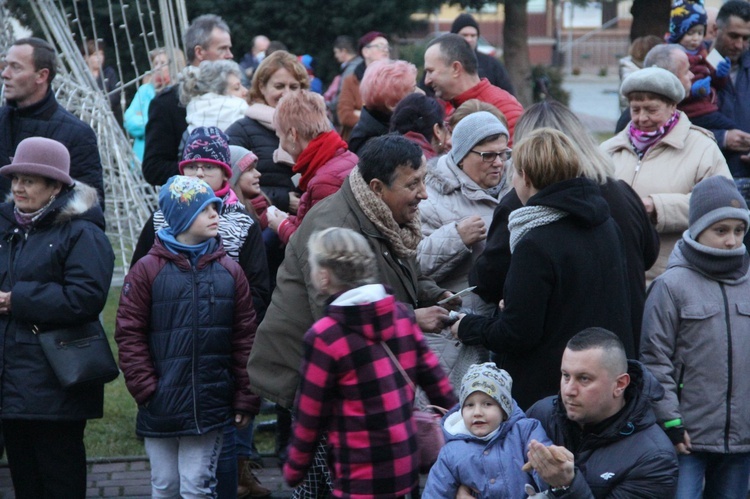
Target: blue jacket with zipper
184	334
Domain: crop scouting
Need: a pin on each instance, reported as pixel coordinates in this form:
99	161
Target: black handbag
79	355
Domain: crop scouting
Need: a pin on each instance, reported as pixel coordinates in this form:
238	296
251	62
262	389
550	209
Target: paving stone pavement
129	477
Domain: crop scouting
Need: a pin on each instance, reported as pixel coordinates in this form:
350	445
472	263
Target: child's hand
722	69
241	421
701	88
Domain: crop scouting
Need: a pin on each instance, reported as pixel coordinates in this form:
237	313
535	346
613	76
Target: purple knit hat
40	156
207	145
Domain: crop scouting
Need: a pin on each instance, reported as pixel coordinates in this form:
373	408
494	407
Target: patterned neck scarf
403	240
642	141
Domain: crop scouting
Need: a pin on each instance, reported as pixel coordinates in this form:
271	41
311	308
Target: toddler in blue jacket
487	437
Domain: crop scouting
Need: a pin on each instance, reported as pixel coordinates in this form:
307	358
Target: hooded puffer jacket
58	275
184	334
493	468
629	456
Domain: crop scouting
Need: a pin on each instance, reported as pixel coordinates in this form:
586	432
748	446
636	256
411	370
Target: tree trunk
516	49
650	17
609	12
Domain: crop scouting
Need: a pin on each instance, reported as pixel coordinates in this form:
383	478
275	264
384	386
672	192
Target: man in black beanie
467	27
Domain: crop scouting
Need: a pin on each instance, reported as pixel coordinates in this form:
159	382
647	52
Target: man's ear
456	68
377	186
621	383
44	76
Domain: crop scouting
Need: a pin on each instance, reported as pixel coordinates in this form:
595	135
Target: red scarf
317	153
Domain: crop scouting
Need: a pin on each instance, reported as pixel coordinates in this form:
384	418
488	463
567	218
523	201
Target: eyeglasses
206	167
489	157
380	46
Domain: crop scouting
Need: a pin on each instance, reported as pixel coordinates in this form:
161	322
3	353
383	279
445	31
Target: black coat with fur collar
58	274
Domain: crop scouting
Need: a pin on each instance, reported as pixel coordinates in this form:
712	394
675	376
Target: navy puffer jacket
59	276
185	333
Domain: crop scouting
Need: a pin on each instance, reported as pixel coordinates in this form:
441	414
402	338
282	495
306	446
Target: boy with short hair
695	341
487	437
185	327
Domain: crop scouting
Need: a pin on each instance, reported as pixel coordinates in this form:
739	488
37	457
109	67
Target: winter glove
701	88
722	69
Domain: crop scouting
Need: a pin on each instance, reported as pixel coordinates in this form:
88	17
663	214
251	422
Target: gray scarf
524	219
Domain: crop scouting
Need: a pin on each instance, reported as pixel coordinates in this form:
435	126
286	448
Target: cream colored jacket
667	173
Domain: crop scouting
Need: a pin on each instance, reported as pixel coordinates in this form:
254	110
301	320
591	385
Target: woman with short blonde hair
320	156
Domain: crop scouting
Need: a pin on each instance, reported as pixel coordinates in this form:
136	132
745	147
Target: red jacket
505	102
327	180
353	390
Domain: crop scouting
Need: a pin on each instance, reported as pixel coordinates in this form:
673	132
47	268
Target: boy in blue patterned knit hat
184	328
487	436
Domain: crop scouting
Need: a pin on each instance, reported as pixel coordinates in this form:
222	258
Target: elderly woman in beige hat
56	265
661	155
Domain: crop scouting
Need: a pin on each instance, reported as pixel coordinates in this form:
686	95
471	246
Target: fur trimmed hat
207	145
684	15
714	199
490	379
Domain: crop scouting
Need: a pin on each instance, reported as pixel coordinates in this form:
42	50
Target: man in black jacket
31	110
603	416
488	67
206	39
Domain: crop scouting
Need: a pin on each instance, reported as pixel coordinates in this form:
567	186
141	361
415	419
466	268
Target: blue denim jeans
726	475
184	466
226	469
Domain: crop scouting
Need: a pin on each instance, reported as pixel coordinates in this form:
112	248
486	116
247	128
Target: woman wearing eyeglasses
463	190
567	270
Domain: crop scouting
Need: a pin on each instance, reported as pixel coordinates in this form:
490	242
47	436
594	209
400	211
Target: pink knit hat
42	157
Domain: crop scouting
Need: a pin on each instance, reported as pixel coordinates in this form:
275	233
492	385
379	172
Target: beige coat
667	173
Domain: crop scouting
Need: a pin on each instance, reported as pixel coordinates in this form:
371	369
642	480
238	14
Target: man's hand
554	464
737	140
472	229
454	326
5	302
684	446
432	319
453	304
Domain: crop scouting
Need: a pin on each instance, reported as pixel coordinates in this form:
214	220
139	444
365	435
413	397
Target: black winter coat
625	456
59	276
47	118
164	128
371	124
563	277
625	206
276	178
492	69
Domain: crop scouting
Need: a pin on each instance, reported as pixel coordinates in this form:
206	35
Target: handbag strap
398	364
390	353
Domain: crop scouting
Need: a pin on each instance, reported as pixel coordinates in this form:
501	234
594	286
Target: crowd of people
356	254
